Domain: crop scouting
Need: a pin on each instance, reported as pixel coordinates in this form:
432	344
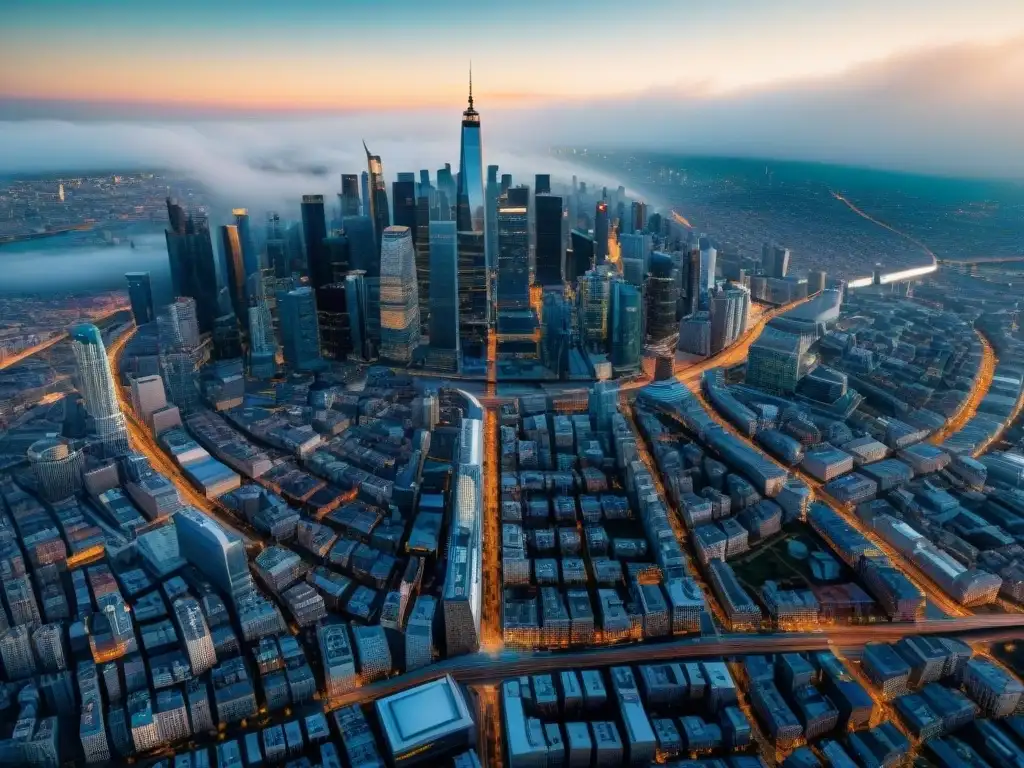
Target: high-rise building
140	294
542	184
195	634
662	298
378	192
636	246
470	210
729	312
777	361
601	232
356	304
300	332
262	342
692	262
474	294
815	282
399	296
775	260
626	327
192	261
362	245
314	230
250	257
513	256
231	246
492	192
349	196
49	644
419	634
593	298
403	201
446	194
98	388
16	652
422	243
218	553
695	334
708	255
334	321
444	277
337	659
556	332
180	372
550	240
148	395
227	337
582	255
179	325
506	182
57	467
364	186
638	217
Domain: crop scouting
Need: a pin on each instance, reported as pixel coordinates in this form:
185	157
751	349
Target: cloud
957	110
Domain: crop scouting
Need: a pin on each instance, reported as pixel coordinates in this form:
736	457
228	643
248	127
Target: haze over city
512	385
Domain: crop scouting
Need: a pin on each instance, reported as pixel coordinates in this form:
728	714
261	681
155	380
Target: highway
486	668
969	407
141	439
7	362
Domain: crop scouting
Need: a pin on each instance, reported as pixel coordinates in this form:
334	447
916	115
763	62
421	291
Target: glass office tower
250	256
470	214
444	276
550	253
513	257
98	388
140	293
626	327
492	192
234	264
601	232
399	296
300	332
314	230
474	294
218	553
192	261
349	196
378	192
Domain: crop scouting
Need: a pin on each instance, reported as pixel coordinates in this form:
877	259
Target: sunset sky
372	54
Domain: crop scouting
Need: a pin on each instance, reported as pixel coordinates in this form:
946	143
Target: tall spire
471	84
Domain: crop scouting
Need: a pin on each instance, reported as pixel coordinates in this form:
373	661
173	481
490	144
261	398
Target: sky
924	85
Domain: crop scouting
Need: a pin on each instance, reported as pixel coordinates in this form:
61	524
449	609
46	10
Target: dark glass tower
550	254
361	244
192	261
474	303
542	184
446	192
349	194
378	192
444	301
692	300
140	293
471	216
513	256
492	192
601	232
250	257
234	263
582	255
625	327
314	230
403	193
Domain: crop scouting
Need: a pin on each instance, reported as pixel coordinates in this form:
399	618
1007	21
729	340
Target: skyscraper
513	256
593	297
57	467
140	294
492	193
334	321
300	333
179	326
662	299
148	396
192	261
98	388
601	232
262	343
378	192
250	257
542	184
314	230
729	309
231	245
582	255
470	215
349	196
474	294
218	553
708	255
335	262
362	247
556	333
444	277
399	296
550	249
446	193
422	243
356	304
625	327
815	282
692	262
364	186
638	216
403	200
